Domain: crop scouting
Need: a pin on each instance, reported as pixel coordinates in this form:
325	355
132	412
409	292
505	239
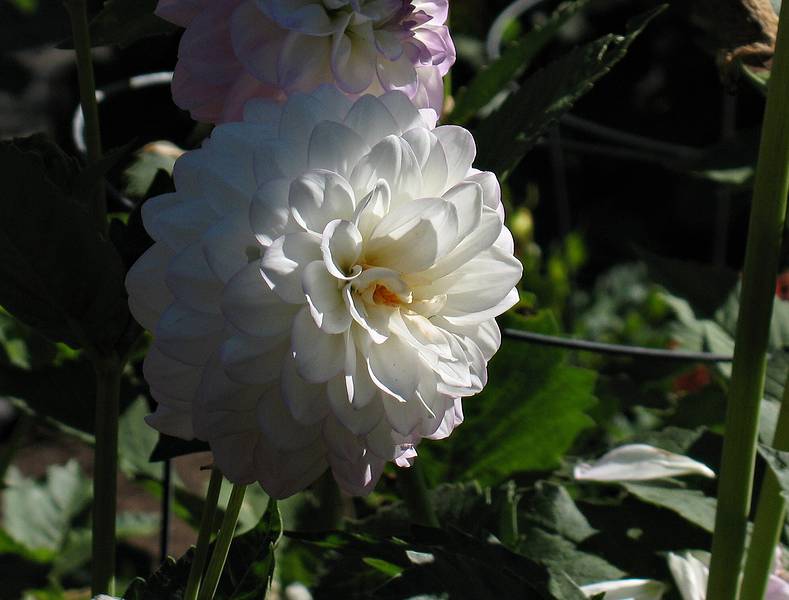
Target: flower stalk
204	535
105	473
770	515
758	291
414	491
222	545
78	13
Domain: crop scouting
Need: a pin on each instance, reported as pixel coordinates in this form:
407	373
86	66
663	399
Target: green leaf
124	22
57	273
63	395
778	461
136	441
691	505
149	160
513	61
168	581
550	507
546	95
544	399
38	515
250	564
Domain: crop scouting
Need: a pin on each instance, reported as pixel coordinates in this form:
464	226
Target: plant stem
105	473
329	514
414	491
222	545
204	535
770	515
87	93
756	300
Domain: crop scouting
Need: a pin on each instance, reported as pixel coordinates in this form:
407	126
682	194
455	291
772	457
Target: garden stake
756	301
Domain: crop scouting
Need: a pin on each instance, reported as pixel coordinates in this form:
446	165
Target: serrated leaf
545	96
513	61
168	581
550	507
38	515
57	273
692	505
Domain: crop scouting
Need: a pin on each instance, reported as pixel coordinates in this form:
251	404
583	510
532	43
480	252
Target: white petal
391	159
282	474
353	60
307	402
639	462
173	378
178	224
460	151
690	574
319	356
403	110
284	262
481	238
149	296
341	245
357	478
335	147
325	300
431	158
192	281
279	426
268	214
254	360
466	197
393	367
229	245
626	589
413	236
187	335
479	284
358	419
233	455
372	208
172	419
250	305
319	197
372	319
370	118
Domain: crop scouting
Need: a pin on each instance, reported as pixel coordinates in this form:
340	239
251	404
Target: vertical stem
167	507
414	491
765	230
222	545
87	93
105	473
204	535
330	509
770	515
508	517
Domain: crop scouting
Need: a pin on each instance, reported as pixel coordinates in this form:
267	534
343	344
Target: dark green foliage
58	273
546	95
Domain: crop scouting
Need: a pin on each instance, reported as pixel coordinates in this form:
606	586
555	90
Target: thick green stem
222	545
87	93
756	299
770	515
414	491
204	535
105	474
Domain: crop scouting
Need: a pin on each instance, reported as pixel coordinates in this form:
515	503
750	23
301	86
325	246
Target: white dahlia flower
322	289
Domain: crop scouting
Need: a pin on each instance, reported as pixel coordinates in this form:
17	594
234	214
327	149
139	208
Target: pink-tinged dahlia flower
322	289
234	50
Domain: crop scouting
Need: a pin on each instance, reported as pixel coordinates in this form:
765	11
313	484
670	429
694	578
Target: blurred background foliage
629	212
